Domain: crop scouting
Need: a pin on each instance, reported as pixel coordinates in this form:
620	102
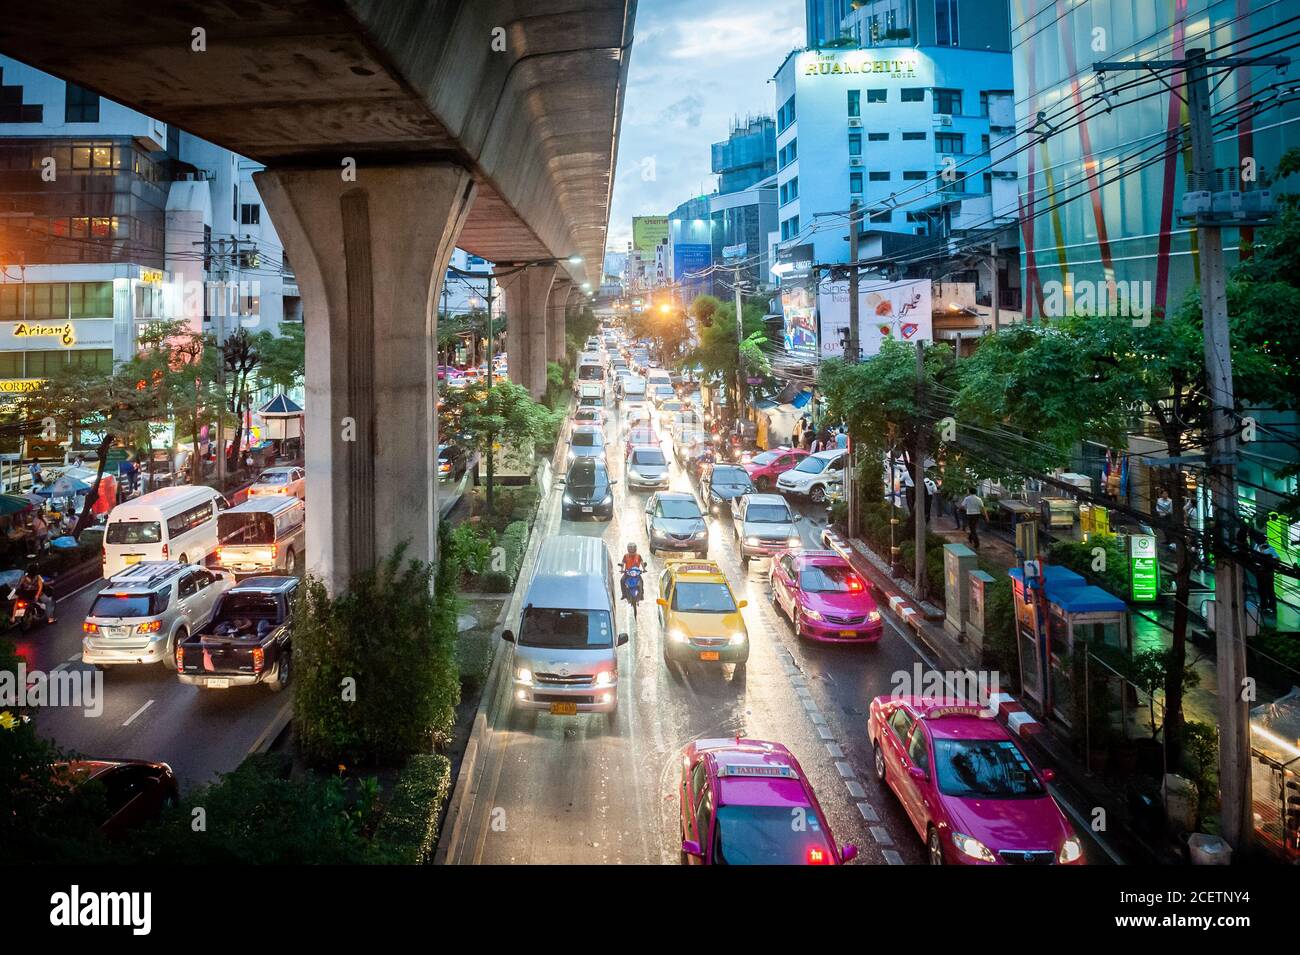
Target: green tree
720	354
504	417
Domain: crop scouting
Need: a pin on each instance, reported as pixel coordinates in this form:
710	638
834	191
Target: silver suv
145	609
764	525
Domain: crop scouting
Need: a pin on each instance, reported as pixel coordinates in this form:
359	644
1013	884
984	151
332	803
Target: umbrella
64	486
13	503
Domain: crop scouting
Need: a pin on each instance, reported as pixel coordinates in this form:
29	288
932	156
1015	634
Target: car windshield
767	514
767	457
133	532
984	768
245	527
586	439
249	603
829	580
703	598
811	465
651	456
565	629
675	509
730	476
273	477
643	436
127	605
586	478
763	835
590	373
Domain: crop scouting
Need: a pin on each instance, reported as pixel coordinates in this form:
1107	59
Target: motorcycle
632	586
24	613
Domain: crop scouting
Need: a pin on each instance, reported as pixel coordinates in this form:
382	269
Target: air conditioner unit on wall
855	160
855	122
943	119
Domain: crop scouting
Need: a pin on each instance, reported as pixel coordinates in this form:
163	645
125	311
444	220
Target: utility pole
223	271
853	352
993	267
918	481
740	339
1229	592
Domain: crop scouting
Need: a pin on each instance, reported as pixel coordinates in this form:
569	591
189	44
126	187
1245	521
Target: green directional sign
1143	568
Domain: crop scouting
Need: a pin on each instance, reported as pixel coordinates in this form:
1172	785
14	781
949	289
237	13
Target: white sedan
289	481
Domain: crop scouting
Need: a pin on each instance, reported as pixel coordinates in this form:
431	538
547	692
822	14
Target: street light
575	260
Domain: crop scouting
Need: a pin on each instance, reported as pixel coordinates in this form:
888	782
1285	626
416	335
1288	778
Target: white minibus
172	523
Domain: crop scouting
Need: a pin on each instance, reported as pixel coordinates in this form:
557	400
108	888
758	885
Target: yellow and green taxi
700	615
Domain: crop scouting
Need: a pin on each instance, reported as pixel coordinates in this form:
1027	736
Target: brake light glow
817	856
20	604
89	627
855	584
259	658
152	626
180	660
165	551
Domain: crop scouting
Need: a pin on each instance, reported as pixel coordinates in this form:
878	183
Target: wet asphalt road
589	789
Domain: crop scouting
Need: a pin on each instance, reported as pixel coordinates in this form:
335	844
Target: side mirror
562	480
848	852
508	636
692	848
1049	775
622	639
742	604
918	774
661	601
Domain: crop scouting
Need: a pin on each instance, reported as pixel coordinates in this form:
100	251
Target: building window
855	144
11	364
788	154
80	105
98	359
913	137
785	115
914	175
945	24
957	183
91	299
790	190
877	137
855	183
949	142
878	176
789	228
876	96
984	144
988	182
855	103
250	213
885	216
913	94
947	101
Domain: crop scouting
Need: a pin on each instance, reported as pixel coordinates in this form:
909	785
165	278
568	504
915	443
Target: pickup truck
249	639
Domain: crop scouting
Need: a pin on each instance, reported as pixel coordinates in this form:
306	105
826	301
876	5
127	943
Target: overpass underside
393	131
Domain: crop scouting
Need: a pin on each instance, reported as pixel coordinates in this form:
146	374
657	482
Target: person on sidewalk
841	438
973	505
1266	557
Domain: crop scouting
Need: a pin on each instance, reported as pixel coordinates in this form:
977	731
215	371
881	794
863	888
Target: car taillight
180	659
153	626
89	627
817	856
20	604
275	551
165	551
855	584
259	657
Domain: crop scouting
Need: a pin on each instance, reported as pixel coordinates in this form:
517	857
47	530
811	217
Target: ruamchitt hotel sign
897	65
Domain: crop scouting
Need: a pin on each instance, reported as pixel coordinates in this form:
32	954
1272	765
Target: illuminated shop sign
64	333
900	68
20	386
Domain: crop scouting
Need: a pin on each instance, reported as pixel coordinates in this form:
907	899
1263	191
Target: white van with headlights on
566	647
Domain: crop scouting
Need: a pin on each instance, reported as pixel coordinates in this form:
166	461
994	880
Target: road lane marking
844	768
855	789
834	750
892	857
868	811
74	658
882	836
131	719
825	732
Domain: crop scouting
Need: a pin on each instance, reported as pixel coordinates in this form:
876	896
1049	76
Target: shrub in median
408	831
376	676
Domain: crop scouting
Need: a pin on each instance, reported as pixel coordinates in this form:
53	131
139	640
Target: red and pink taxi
748	802
765	467
825	598
968	789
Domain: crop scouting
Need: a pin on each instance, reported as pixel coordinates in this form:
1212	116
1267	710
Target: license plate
710	655
564	709
848	633
20	612
218	684
131	559
586	510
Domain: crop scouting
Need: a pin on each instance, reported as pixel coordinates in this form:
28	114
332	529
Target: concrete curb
273	730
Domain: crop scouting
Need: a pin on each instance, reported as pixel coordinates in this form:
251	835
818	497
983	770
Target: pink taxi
968	789
825	598
747	802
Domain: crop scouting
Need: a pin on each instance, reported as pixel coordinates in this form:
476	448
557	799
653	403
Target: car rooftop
268	583
765	498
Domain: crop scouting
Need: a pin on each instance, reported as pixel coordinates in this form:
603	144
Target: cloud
687	111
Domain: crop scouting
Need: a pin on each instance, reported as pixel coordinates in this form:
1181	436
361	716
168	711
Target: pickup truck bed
248	641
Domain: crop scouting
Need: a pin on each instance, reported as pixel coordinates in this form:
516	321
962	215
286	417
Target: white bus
172	523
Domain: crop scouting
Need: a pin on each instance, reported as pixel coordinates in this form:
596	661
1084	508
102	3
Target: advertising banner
898	311
648	232
799	306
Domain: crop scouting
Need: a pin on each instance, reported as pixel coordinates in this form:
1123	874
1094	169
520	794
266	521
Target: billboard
648	232
688	258
900	311
799	306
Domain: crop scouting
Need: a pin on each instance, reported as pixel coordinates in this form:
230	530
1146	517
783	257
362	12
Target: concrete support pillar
556	306
526	295
370	257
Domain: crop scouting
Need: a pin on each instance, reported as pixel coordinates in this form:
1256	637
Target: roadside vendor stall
1275	774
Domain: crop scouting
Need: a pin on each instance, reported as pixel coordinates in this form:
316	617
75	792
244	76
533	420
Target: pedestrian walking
40	531
1266	556
973	505
841	438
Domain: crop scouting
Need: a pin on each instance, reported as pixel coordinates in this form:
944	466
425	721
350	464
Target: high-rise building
747	155
689	249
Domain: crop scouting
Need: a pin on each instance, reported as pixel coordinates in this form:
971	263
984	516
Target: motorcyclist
630	560
31	587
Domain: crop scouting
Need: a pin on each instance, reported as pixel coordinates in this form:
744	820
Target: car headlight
810	613
1070	851
751	540
524	675
795	541
873	616
972	848
702	532
604	678
677	636
738	638
568	499
608	498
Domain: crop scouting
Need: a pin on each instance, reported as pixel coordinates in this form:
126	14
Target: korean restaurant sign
20	386
63	332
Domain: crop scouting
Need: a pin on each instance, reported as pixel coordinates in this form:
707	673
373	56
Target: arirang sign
831	65
64	333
